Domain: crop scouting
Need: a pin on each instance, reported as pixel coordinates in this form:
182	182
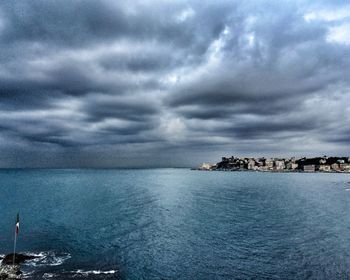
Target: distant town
316	164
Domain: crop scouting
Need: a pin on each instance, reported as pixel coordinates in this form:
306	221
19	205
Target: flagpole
15	242
14	246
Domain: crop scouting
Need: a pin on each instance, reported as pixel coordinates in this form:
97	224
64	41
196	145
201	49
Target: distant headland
316	164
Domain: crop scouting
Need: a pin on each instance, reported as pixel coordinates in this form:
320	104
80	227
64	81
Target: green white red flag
17	224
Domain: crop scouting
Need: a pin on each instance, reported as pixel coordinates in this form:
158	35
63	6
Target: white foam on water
95	272
26	274
49	275
49	258
347	189
38	255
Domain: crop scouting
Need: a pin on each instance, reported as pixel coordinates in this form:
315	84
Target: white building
206	166
324	168
251	164
309	168
292	165
279	164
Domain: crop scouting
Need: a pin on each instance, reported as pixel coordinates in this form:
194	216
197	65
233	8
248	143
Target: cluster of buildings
316	164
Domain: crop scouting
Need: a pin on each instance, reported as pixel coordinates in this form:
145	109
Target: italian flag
17	224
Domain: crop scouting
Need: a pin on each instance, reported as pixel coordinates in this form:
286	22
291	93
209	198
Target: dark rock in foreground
19	258
10	271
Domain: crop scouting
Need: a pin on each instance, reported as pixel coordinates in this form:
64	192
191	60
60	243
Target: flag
17	224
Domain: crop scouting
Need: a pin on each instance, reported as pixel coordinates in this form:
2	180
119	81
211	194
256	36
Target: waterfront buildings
279	165
206	166
324	168
317	164
344	167
309	168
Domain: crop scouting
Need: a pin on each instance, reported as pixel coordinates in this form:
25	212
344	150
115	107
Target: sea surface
177	224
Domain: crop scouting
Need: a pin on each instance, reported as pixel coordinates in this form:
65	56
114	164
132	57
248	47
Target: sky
172	83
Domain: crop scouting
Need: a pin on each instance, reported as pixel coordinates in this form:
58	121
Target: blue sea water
177	224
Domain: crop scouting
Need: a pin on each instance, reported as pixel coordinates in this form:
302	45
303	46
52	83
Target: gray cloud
101	83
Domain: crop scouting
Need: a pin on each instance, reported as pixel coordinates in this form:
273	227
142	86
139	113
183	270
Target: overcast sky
172	83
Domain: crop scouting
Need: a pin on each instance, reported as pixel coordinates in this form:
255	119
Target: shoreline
272	171
322	164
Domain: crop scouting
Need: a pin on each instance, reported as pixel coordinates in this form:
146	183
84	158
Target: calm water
178	224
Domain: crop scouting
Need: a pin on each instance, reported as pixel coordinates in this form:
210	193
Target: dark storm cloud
133	109
65	22
82	81
89	22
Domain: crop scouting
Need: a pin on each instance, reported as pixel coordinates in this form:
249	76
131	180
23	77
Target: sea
177	224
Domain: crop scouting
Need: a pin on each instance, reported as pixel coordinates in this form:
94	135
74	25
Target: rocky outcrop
19	258
8	270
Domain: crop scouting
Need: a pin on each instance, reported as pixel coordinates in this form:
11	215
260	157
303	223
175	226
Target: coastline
271	171
322	164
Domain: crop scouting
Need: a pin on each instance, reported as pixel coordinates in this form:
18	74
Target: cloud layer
107	84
